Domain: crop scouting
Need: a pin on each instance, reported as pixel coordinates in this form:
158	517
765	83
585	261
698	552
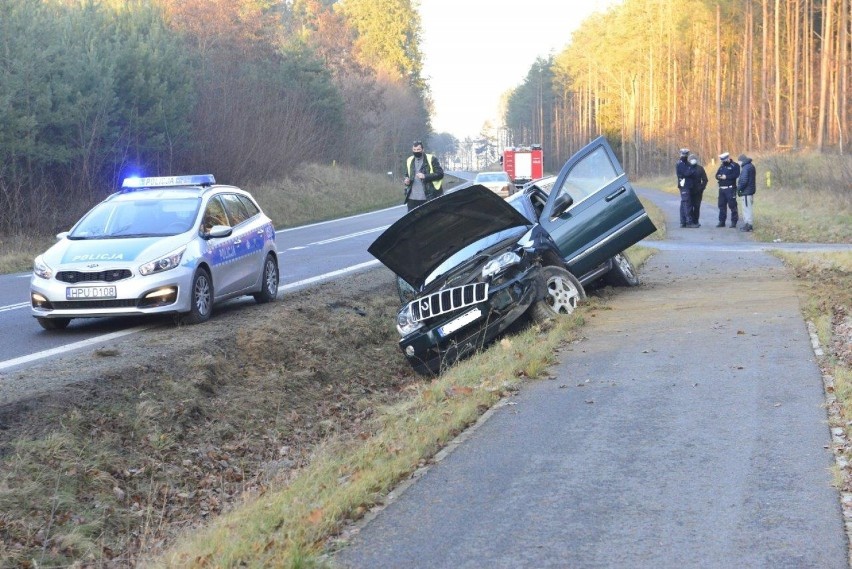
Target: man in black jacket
727	175
423	177
686	176
746	187
697	193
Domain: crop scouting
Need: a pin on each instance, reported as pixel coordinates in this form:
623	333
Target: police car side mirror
61	236
218	231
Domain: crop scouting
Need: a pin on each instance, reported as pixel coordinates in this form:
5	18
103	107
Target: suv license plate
459	322
89	292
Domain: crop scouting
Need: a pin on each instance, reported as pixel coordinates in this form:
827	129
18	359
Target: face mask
418	154
693	162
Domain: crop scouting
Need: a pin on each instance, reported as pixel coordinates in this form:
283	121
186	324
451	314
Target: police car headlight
170	261
41	269
499	264
405	323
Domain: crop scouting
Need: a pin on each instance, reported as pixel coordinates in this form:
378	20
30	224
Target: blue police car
162	245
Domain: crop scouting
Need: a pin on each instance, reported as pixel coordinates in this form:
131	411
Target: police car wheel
563	292
202	298
623	273
269	284
54	323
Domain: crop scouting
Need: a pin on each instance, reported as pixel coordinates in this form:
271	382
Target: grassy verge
171	428
825	286
662	183
319	193
288	527
803	216
658	217
18	251
274	429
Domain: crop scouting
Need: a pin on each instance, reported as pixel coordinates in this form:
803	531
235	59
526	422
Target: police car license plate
89	292
460	322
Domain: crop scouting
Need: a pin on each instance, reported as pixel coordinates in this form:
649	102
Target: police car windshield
138	218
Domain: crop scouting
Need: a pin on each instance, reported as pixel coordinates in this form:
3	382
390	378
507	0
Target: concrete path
686	430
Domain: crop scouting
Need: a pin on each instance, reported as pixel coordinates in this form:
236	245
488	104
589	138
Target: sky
476	50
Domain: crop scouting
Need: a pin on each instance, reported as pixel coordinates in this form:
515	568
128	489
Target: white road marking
14	306
70	347
340	238
328	276
336	220
114	335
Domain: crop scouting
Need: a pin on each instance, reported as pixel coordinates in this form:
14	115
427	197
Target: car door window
588	176
250	206
236	210
214	214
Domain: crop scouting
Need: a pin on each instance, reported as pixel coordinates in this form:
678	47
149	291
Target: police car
163	245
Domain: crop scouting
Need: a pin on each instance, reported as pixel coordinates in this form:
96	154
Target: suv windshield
138	218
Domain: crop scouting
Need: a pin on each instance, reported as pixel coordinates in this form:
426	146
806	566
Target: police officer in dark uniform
698	189
686	184
727	175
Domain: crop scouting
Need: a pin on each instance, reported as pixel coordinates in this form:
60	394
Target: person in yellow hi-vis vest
423	177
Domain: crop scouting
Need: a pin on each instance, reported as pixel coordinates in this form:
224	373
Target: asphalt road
686	430
308	254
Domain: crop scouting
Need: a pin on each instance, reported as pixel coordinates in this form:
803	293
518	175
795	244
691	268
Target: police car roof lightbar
165	181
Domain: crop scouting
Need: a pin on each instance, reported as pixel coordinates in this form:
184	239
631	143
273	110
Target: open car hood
426	236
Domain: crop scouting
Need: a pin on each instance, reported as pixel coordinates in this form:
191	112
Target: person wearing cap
746	187
727	175
423	177
686	182
697	193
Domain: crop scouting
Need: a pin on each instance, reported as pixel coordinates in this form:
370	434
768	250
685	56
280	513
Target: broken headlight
499	264
405	323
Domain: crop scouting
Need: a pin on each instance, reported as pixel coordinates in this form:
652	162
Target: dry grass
658	217
825	286
320	192
638	254
113	465
662	183
18	251
348	476
803	216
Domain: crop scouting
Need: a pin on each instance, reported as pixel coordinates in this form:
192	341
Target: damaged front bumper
446	338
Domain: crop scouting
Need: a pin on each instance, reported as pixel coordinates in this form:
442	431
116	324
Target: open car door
593	212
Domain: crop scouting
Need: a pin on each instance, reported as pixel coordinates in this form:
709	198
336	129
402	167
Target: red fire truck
523	163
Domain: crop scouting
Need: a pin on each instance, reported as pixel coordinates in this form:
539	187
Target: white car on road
175	244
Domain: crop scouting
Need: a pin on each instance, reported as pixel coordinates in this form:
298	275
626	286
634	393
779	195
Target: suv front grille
100	276
448	300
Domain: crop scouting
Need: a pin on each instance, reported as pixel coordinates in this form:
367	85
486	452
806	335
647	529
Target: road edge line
70	347
839	441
